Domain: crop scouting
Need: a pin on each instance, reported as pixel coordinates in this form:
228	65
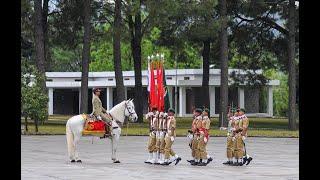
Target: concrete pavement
45	157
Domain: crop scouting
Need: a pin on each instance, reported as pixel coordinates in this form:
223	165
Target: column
79	99
125	93
182	101
109	98
212	92
169	88
50	103
241	97
270	101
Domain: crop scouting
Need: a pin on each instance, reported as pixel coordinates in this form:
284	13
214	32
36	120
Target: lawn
258	127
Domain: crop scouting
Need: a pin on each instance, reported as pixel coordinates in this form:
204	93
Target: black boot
228	163
209	160
79	161
249	160
194	163
73	161
190	161
202	164
235	164
245	159
177	160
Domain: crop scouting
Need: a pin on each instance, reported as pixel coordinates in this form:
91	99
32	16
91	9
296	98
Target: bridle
130	112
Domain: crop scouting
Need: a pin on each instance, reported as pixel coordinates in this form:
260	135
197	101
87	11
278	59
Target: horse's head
129	111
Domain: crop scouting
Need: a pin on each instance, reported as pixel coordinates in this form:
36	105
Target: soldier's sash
205	132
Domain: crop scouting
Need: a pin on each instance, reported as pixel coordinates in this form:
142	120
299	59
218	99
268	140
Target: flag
166	92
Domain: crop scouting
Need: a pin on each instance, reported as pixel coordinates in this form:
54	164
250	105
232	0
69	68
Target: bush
34	100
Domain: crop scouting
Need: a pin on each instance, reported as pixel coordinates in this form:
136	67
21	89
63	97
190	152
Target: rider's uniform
98	110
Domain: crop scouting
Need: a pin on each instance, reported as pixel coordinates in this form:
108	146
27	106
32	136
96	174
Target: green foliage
34	100
280	93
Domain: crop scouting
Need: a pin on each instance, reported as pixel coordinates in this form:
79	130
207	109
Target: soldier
196	134
163	131
159	133
152	116
203	139
230	134
169	139
240	149
98	110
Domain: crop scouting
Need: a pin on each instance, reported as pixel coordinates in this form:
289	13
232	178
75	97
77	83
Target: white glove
161	134
172	138
243	138
233	138
190	136
165	114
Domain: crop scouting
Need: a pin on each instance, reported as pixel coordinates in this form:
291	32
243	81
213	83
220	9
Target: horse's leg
115	140
112	154
76	141
70	142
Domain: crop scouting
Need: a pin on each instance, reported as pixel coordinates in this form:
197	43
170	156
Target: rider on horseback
97	108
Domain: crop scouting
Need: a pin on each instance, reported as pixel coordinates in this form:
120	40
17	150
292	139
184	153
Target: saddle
94	126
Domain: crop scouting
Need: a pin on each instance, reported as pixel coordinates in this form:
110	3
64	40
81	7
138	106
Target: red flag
161	90
152	87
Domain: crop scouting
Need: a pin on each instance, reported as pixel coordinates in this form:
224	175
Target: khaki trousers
202	153
230	147
194	146
152	143
238	147
168	148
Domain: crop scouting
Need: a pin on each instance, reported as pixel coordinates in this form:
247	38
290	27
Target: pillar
182	101
169	88
241	97
50	103
212	93
270	101
125	93
109	98
79	99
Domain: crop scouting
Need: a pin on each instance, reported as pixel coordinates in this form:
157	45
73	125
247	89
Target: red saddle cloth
98	125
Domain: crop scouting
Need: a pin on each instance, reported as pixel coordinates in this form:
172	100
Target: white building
64	91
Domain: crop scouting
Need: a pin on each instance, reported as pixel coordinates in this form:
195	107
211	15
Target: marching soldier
152	116
163	131
230	135
195	140
203	139
169	139
242	132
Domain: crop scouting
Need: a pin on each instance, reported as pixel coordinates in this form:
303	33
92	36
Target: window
186	78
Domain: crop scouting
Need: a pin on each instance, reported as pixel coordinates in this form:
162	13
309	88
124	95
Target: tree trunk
26	123
39	40
45	34
136	52
292	70
36	124
205	77
85	58
117	53
224	65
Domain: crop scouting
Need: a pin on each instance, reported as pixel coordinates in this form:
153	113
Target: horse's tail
69	135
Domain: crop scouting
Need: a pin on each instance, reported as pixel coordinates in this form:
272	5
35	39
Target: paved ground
45	157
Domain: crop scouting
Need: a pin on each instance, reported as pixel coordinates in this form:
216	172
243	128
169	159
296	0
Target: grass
258	127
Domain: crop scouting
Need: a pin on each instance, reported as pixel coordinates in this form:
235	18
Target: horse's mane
117	111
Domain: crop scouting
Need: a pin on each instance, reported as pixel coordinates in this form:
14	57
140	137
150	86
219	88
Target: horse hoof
117	161
73	161
79	161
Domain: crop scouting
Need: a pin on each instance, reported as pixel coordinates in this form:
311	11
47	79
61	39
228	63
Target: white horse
75	126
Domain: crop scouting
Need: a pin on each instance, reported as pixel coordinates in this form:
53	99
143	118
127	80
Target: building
64	91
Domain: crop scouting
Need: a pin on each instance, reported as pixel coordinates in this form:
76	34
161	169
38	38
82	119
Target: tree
117	52
223	64
85	57
34	102
292	66
135	29
39	40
